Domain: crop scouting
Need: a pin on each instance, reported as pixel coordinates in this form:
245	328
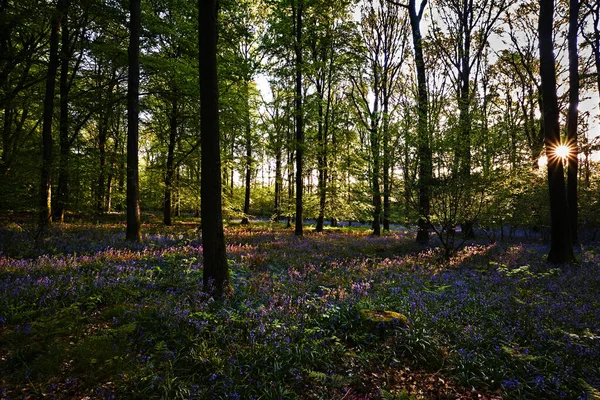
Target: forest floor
336	315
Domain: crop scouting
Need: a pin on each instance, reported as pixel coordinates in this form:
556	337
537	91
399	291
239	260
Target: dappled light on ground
96	317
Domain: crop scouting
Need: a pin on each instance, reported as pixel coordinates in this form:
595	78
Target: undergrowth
92	316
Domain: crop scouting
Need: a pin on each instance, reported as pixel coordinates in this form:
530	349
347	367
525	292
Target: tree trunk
177	192
333	172
133	108
45	197
278	184
594	41
573	159
387	162
248	137
424	149
560	248
374	142
216	269
321	159
65	145
299	121
290	177
111	174
464	139
170	170
102	139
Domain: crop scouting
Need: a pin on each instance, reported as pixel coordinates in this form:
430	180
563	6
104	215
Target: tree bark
424	149
374	141
216	269
572	116
321	159
170	170
133	108
560	248
290	175
45	196
102	140
594	41
64	141
248	137
299	121
278	184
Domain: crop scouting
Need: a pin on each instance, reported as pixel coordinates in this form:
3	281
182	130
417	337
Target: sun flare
562	151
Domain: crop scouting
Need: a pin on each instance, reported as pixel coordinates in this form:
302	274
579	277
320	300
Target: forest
300	199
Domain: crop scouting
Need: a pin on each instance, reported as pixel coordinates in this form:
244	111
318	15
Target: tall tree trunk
573	159
290	176
45	197
594	40
248	137
334	173
64	141
216	270
321	159
278	184
299	121
113	170
177	192
374	142
102	140
464	142
387	161
424	148
170	170
5	159
464	139
133	108
323	139
560	248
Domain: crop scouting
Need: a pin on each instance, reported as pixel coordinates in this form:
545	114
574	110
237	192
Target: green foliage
296	323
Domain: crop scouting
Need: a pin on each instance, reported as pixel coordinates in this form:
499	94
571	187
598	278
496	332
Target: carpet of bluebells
87	315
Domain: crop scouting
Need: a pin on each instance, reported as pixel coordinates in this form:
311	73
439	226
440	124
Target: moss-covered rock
384	316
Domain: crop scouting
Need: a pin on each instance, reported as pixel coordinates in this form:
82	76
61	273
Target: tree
469	25
523	63
325	35
572	116
394	43
277	122
62	198
423	137
45	211
241	57
133	109
593	37
216	270
366	84
299	117
561	251
171	65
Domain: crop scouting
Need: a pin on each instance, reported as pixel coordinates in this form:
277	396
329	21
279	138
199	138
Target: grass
90	315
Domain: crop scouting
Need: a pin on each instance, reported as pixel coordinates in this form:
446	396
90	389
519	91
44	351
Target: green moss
384	316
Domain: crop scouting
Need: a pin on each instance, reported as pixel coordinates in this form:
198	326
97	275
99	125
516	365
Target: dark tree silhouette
216	270
45	210
424	148
170	170
560	248
63	176
133	110
572	161
299	121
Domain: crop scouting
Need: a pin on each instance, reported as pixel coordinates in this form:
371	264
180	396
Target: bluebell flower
511	383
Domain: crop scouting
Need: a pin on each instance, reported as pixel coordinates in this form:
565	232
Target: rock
385	317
